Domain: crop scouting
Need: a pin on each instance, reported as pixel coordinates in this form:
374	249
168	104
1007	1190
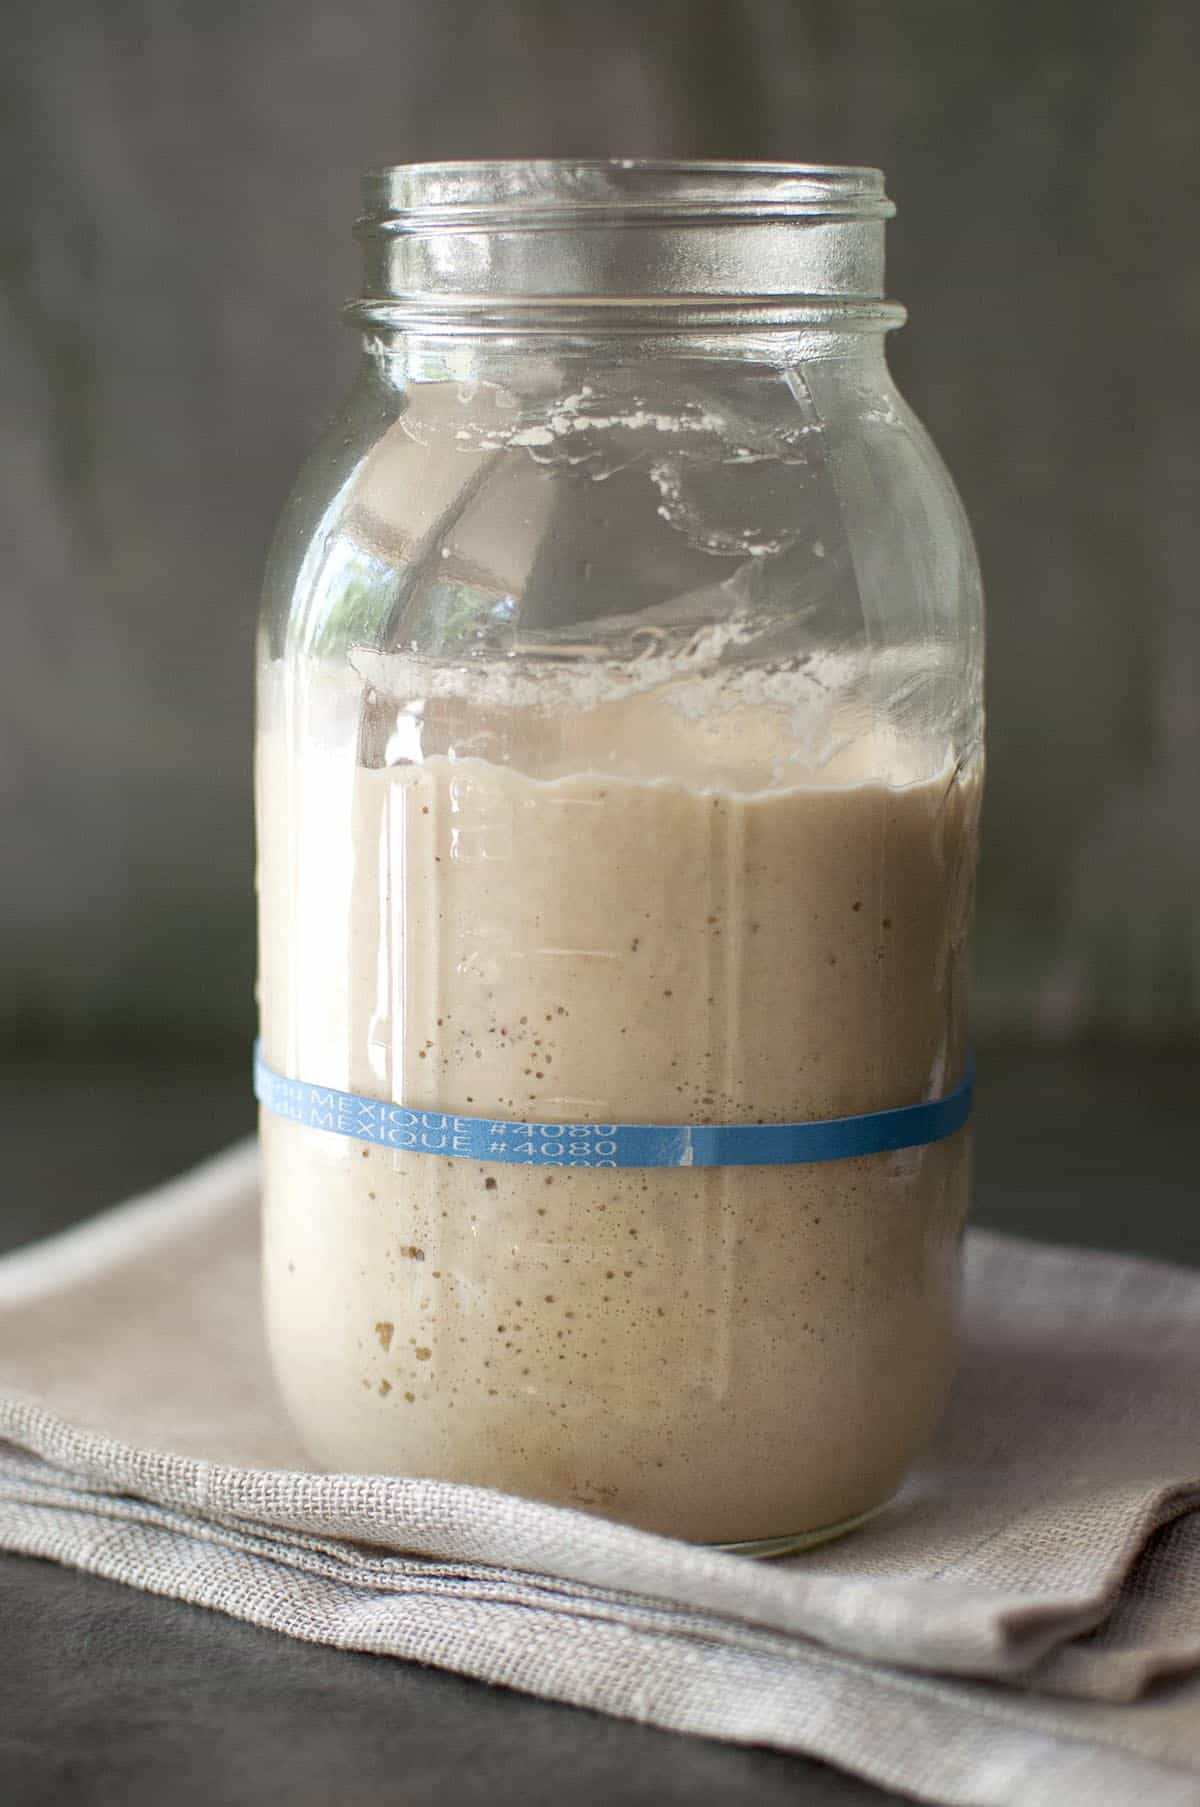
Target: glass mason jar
619	760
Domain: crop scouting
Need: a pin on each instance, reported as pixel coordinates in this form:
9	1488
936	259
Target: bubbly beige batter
721	1354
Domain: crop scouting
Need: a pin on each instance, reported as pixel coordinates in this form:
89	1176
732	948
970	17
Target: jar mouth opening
519	195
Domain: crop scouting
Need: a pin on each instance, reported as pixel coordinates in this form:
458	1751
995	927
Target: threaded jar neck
744	242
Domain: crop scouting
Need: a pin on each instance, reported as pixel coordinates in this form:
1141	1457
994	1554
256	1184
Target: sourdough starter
721	1354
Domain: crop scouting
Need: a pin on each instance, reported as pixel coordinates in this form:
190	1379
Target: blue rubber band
611	1144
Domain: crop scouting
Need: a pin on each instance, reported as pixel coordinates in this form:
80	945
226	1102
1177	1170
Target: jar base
763	1547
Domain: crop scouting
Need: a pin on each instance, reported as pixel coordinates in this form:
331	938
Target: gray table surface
113	1699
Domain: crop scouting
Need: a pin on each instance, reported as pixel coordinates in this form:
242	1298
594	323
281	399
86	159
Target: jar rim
516	192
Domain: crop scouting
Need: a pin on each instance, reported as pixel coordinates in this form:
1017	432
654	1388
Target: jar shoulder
657	498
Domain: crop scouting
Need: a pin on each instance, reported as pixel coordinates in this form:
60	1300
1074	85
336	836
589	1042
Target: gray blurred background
181	183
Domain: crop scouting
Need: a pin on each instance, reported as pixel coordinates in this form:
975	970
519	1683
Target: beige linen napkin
1021	1625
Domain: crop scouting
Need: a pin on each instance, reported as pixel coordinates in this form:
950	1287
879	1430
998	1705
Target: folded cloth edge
964	1743
440	1520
